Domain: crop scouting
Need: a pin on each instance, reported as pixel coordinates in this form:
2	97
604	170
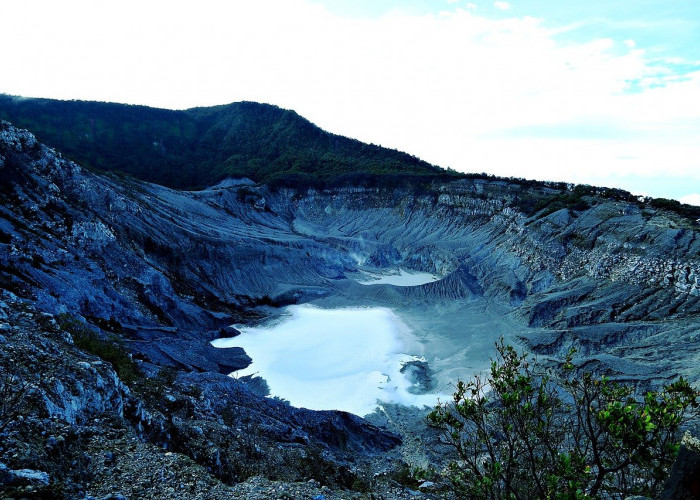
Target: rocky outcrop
684	482
191	355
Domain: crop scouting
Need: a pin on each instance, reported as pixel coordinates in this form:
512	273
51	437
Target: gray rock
684	481
427	486
6	474
27	477
228	332
418	372
192	355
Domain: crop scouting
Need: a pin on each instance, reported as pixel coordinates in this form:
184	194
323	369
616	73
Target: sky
597	92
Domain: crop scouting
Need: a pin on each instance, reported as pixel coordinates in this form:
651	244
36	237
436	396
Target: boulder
684	481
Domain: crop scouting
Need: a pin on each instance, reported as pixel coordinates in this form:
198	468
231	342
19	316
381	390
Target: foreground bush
524	432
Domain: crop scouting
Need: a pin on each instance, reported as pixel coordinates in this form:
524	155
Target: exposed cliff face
166	270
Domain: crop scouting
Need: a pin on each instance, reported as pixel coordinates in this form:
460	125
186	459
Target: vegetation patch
201	146
110	349
675	206
525	431
571	200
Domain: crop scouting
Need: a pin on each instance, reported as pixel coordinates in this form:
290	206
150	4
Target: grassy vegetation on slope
200	146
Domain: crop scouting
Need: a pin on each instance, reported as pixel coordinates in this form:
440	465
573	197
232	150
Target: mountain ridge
200	146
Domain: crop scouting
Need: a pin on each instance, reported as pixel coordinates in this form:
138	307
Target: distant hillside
200	146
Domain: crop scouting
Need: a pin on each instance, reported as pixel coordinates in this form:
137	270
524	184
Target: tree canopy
200	146
524	432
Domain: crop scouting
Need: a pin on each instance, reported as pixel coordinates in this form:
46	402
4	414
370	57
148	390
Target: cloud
691	199
501	5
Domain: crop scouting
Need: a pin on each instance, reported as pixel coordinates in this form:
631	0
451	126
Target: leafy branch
525	431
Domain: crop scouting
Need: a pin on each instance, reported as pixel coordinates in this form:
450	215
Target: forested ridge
200	146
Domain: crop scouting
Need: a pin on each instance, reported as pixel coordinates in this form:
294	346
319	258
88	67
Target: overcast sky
599	92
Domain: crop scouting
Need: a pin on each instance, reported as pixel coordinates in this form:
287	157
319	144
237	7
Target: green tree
524	432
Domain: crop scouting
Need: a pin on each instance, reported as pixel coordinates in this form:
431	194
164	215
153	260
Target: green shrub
687	211
527	432
110	349
573	201
412	477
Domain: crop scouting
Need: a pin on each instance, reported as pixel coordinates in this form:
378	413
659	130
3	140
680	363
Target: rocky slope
102	263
